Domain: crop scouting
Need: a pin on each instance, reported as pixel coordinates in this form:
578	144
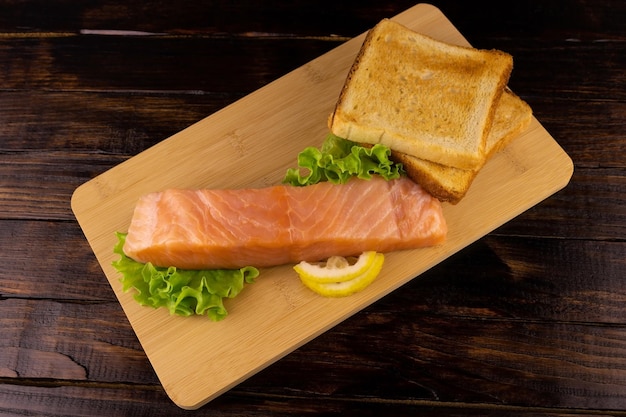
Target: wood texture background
527	321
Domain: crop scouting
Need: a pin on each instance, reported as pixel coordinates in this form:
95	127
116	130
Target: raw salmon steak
223	229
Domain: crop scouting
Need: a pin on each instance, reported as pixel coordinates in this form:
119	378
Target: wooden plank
39	185
301	102
101	123
71	401
218	17
513	362
69	341
192	65
237	66
510	361
593	129
44	268
548	280
535	279
304	17
590	207
126	123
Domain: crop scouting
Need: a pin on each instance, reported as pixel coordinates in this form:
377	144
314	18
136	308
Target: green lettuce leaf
338	160
182	292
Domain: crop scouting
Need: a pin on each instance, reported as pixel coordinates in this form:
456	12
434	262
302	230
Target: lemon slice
342	286
336	268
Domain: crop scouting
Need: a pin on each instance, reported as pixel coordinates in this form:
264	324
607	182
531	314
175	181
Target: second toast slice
513	115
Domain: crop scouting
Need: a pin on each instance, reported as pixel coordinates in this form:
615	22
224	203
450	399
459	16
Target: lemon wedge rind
336	268
347	287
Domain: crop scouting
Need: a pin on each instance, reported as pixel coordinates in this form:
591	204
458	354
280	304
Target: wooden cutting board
251	143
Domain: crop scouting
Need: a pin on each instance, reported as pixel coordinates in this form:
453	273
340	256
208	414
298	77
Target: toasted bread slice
512	117
421	96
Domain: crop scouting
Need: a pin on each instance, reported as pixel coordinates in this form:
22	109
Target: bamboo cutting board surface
251	143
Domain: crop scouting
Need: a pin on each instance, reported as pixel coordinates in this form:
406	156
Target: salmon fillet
215	229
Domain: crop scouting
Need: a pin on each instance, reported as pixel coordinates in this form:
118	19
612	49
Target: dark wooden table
529	320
